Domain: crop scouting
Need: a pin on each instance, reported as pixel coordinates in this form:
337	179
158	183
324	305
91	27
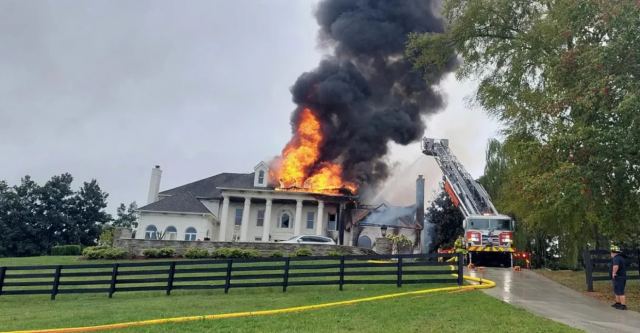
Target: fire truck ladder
472	197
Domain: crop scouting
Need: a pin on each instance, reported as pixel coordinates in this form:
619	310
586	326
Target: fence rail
226	274
596	263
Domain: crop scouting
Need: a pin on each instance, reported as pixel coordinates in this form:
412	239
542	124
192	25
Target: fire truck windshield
495	224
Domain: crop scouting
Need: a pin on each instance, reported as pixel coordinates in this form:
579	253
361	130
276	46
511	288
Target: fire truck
488	235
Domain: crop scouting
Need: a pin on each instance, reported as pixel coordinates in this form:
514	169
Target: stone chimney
420	200
154	184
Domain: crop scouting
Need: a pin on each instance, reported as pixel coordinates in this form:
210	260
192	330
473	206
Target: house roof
210	187
184	202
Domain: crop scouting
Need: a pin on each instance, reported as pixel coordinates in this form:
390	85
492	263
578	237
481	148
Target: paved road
549	299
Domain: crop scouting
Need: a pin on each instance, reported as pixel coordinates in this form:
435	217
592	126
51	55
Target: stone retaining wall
136	246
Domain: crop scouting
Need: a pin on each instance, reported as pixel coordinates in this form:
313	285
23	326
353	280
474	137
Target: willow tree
563	77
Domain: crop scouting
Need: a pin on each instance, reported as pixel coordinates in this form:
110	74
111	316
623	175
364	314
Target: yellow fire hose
482	284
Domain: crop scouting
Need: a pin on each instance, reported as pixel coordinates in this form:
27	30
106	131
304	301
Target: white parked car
304	239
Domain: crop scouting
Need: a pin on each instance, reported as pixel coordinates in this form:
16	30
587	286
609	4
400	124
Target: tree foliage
446	220
126	217
35	218
563	76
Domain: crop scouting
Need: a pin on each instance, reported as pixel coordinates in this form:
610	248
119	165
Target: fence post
227	281
399	282
285	277
172	272
56	282
3	272
341	272
588	269
460	268
114	277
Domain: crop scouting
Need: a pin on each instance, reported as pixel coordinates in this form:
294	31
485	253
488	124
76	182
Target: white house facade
237	207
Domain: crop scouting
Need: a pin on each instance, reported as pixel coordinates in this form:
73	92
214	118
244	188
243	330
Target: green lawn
460	312
602	289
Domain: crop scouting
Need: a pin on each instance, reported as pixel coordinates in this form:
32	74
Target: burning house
243	207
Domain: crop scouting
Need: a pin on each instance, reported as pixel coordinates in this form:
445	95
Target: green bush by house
303	252
104	252
234	252
276	254
166	252
196	253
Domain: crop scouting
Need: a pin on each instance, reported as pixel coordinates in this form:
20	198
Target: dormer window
260	175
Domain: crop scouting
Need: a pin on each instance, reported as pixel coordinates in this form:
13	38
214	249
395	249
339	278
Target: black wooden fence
596	264
226	274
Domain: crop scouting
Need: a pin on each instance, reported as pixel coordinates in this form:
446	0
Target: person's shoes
615	305
621	307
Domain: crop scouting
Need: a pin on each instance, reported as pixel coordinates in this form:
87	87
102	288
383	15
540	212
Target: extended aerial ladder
488	234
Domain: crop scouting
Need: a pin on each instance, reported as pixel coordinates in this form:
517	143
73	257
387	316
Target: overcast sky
107	89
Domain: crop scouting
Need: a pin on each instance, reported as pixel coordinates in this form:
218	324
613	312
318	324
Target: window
261	177
260	218
171	233
238	216
332	225
258	239
285	220
190	234
365	242
311	216
151	232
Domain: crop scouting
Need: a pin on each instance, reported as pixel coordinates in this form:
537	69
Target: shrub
106	237
151	253
400	240
93	252
66	250
276	254
166	252
250	253
335	253
196	253
303	252
115	253
104	252
235	252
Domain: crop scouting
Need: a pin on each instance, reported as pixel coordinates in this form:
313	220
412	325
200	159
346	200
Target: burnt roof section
184	202
209	187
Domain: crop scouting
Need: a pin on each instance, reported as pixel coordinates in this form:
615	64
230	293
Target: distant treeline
34	217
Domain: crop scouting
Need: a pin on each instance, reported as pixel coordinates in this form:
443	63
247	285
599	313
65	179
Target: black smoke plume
365	92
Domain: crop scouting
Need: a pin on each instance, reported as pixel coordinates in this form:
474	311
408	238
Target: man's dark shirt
622	270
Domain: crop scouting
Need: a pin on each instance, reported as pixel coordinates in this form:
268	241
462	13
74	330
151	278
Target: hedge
104	252
66	250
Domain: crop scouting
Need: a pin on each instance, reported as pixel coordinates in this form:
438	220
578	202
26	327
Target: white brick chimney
154	184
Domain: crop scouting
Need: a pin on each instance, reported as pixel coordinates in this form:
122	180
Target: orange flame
300	166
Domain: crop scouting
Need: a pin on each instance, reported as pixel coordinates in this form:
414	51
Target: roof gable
210	187
180	203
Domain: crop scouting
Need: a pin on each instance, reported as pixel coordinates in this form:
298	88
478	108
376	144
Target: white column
320	218
224	217
266	226
244	227
297	224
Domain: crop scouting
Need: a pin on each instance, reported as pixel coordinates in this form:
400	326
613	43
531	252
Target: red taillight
506	237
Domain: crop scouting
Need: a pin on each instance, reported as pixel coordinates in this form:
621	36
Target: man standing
618	274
